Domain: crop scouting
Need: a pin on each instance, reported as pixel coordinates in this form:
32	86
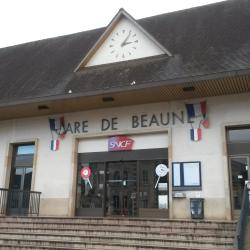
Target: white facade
54	171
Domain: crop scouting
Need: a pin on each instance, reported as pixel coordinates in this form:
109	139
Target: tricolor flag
197	109
54	145
57	125
195	134
205	123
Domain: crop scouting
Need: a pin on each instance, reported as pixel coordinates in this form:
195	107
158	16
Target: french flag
54	145
55	124
195	134
197	109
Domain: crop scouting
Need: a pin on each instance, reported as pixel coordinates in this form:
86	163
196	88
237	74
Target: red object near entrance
85	172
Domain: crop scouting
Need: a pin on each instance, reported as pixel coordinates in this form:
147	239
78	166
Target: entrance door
240	174
20	180
19	195
123	183
121	188
89	199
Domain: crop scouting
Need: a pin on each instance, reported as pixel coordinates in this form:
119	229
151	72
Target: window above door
25	149
238	140
238	134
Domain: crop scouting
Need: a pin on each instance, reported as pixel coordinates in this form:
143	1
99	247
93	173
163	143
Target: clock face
161	170
123	44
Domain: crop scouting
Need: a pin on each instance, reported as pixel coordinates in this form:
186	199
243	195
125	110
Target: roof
205	42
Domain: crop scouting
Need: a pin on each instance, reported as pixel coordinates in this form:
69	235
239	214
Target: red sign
120	143
85	172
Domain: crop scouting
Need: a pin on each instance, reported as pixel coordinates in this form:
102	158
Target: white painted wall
54	169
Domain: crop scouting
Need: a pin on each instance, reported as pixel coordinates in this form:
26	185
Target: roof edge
170	82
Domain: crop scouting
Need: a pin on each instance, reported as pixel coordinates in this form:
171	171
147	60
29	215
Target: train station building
135	119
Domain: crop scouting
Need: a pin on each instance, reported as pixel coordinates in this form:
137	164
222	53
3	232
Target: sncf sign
120	143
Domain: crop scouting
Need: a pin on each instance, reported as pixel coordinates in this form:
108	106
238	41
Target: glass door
153	190
90	191
19	195
20	180
239	176
121	188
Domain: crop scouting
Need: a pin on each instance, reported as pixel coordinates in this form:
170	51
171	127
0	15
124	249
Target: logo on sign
120	143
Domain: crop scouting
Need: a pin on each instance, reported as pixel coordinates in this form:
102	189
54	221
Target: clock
123	44
161	170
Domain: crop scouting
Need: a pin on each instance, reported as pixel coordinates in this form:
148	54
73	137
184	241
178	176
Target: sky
23	21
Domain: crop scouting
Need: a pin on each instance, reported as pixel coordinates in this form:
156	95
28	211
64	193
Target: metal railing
239	240
19	202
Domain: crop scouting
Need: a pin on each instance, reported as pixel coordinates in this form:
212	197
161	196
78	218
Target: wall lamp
188	89
42	107
108	99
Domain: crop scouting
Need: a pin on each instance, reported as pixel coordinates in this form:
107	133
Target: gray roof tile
204	41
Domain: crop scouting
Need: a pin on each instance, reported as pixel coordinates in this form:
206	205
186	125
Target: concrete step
117	247
124	221
120	236
228	237
194	225
114	233
112	245
79	240
154	229
147	228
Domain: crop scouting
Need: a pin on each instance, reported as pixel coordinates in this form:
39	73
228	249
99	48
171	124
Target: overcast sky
28	20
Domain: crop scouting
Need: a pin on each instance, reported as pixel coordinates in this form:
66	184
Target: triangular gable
124	39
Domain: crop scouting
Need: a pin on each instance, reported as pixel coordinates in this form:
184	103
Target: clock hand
126	39
124	44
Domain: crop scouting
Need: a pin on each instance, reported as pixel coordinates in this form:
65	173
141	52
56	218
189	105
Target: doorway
123	184
238	147
20	179
90	191
121	188
239	176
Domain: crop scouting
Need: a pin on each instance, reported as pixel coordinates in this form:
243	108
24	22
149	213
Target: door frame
9	159
108	157
74	162
230	176
91	210
137	183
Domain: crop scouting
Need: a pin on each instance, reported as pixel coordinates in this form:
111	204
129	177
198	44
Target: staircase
114	234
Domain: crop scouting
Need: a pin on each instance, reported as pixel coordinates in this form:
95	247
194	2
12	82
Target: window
186	175
21	169
145	177
238	135
238	140
25	149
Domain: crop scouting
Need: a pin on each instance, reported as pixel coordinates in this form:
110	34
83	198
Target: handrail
19	202
239	239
